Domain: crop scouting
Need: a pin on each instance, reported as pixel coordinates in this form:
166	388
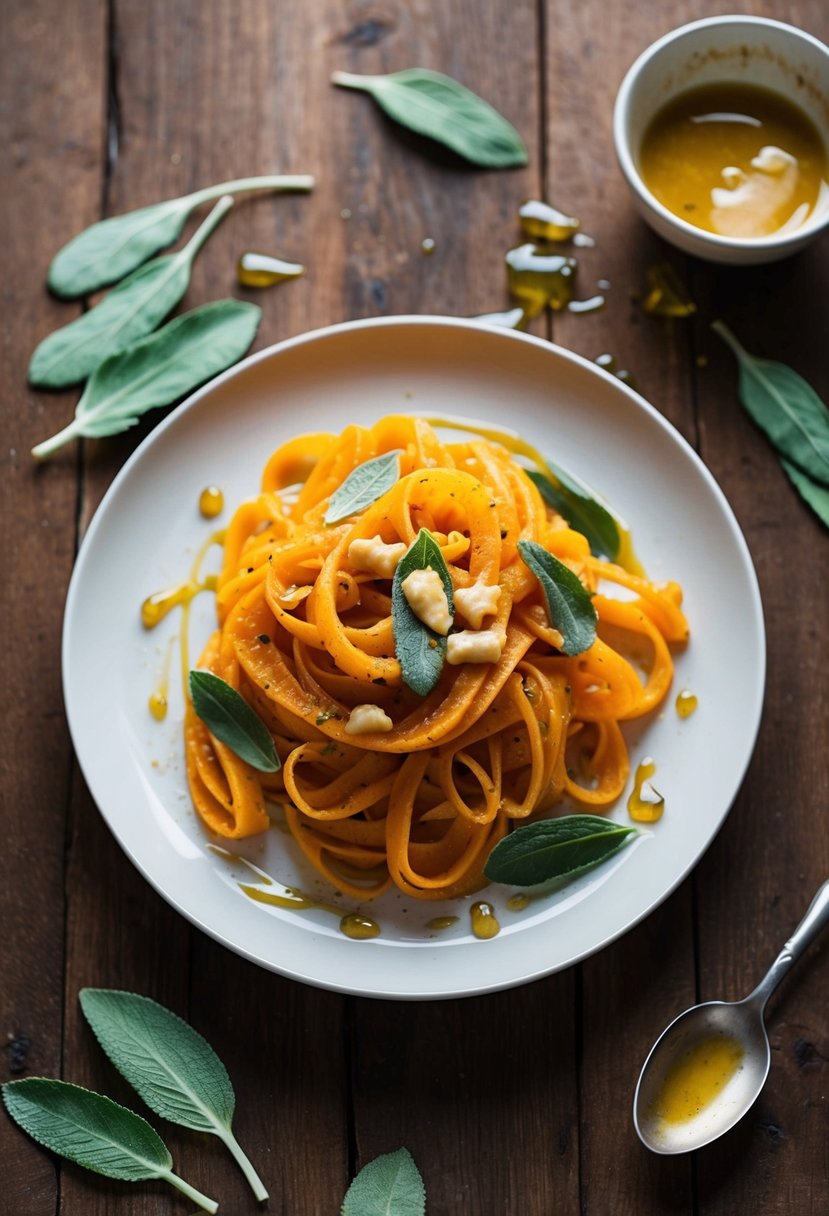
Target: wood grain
50	132
517	1102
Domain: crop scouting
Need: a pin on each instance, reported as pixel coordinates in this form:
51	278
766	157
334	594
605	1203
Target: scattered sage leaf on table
569	604
168	1063
363	486
420	650
110	249
132	310
437	106
554	849
95	1132
786	407
160	369
582	512
390	1185
226	713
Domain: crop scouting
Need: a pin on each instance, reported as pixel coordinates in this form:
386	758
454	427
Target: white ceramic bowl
734	49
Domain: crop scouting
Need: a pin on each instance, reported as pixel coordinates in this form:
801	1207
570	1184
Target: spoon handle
816	918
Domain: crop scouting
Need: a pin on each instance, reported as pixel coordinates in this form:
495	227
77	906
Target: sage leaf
582	512
420	651
95	1132
110	249
784	406
569	604
554	849
229	717
363	486
817	496
168	1063
132	310
159	369
389	1185
440	108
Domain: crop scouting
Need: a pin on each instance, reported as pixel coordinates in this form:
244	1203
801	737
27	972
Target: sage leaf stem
94	1132
132	310
159	369
110	249
440	108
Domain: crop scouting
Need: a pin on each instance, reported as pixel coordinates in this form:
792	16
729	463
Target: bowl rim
773	242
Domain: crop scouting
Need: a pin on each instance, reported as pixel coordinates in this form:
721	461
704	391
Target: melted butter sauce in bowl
721	130
735	160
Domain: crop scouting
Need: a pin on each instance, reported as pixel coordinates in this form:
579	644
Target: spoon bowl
707	1069
701	1076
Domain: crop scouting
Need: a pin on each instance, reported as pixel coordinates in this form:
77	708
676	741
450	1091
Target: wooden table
510	1103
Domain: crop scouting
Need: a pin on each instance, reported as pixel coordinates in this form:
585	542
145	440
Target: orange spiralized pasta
305	636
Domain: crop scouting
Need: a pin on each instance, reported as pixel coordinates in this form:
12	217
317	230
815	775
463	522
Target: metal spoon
732	1032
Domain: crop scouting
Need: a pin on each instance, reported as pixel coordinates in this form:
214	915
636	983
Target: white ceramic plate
143	539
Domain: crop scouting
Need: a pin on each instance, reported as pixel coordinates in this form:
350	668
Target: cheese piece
426	597
475	646
368	720
476	602
375	556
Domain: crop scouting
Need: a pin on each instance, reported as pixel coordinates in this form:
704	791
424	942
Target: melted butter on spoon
707	1069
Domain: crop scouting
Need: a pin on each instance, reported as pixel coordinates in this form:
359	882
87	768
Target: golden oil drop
667	295
645	804
262	270
686	702
211	502
543	222
484	921
156	606
438	923
359	928
518	902
540	279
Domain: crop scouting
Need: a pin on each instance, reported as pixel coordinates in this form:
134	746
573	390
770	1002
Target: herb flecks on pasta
306	635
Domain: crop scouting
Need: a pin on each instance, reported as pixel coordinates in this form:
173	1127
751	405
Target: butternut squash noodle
305	636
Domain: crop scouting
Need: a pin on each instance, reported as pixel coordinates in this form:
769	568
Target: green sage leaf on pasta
786	407
554	849
420	651
228	716
390	1185
112	248
363	486
95	1132
159	370
569	604
582	512
440	108
169	1064
132	310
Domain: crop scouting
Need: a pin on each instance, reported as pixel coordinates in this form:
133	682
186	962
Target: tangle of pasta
305	636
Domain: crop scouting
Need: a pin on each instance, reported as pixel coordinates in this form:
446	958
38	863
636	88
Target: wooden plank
481	1074
481	1091
206	93
50	132
774	833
